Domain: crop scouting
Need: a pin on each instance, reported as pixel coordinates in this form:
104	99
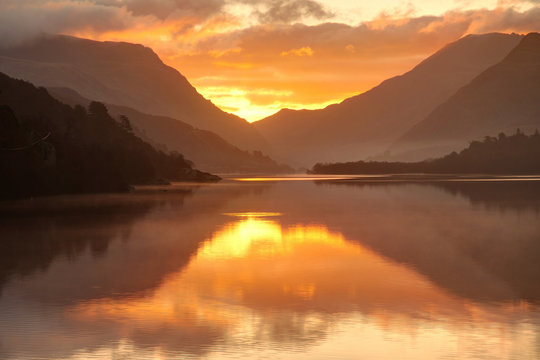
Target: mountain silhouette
207	150
368	123
504	97
47	147
123	74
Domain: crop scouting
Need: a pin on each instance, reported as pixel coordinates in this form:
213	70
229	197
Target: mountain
367	124
47	147
207	150
504	97
123	74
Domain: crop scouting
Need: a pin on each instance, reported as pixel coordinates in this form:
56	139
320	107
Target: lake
276	268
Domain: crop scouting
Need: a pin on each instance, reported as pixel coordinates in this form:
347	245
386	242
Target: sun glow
255	104
248	105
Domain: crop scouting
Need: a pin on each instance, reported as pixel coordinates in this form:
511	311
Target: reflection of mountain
71	227
493	193
478	253
504	195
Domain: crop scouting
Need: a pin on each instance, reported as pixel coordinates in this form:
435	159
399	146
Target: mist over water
309	269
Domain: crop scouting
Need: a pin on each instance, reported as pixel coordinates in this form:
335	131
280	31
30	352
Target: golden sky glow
254	58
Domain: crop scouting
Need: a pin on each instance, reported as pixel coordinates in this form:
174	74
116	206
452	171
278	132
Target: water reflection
77	230
258	282
490	241
522	193
289	270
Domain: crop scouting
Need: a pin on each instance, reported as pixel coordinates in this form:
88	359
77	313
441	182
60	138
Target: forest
515	154
47	147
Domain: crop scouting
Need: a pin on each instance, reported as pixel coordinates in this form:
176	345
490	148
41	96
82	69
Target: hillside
516	154
208	151
505	96
47	147
123	74
367	124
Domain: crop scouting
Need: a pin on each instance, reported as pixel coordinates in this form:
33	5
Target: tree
125	123
97	109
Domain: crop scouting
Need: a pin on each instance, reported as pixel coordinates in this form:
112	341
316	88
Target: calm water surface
278	269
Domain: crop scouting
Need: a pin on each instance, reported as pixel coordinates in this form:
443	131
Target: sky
255	57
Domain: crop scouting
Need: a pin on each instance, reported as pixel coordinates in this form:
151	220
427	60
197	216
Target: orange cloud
303	51
343	60
259	59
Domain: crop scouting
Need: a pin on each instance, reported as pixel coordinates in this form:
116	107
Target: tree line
47	147
515	154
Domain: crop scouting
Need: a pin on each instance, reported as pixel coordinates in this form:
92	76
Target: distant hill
207	150
47	147
367	124
506	96
123	74
516	154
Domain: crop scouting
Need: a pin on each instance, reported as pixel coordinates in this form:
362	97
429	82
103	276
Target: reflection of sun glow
253	237
254	265
243	237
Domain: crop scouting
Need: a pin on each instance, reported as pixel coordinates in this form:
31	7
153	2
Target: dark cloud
287	11
267	11
162	9
509	19
21	20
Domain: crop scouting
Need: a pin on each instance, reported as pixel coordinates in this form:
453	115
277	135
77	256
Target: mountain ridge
366	124
49	148
125	74
207	150
502	98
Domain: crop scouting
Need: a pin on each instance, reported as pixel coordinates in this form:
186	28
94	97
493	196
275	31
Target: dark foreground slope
504	97
516	154
47	147
208	151
123	74
367	124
